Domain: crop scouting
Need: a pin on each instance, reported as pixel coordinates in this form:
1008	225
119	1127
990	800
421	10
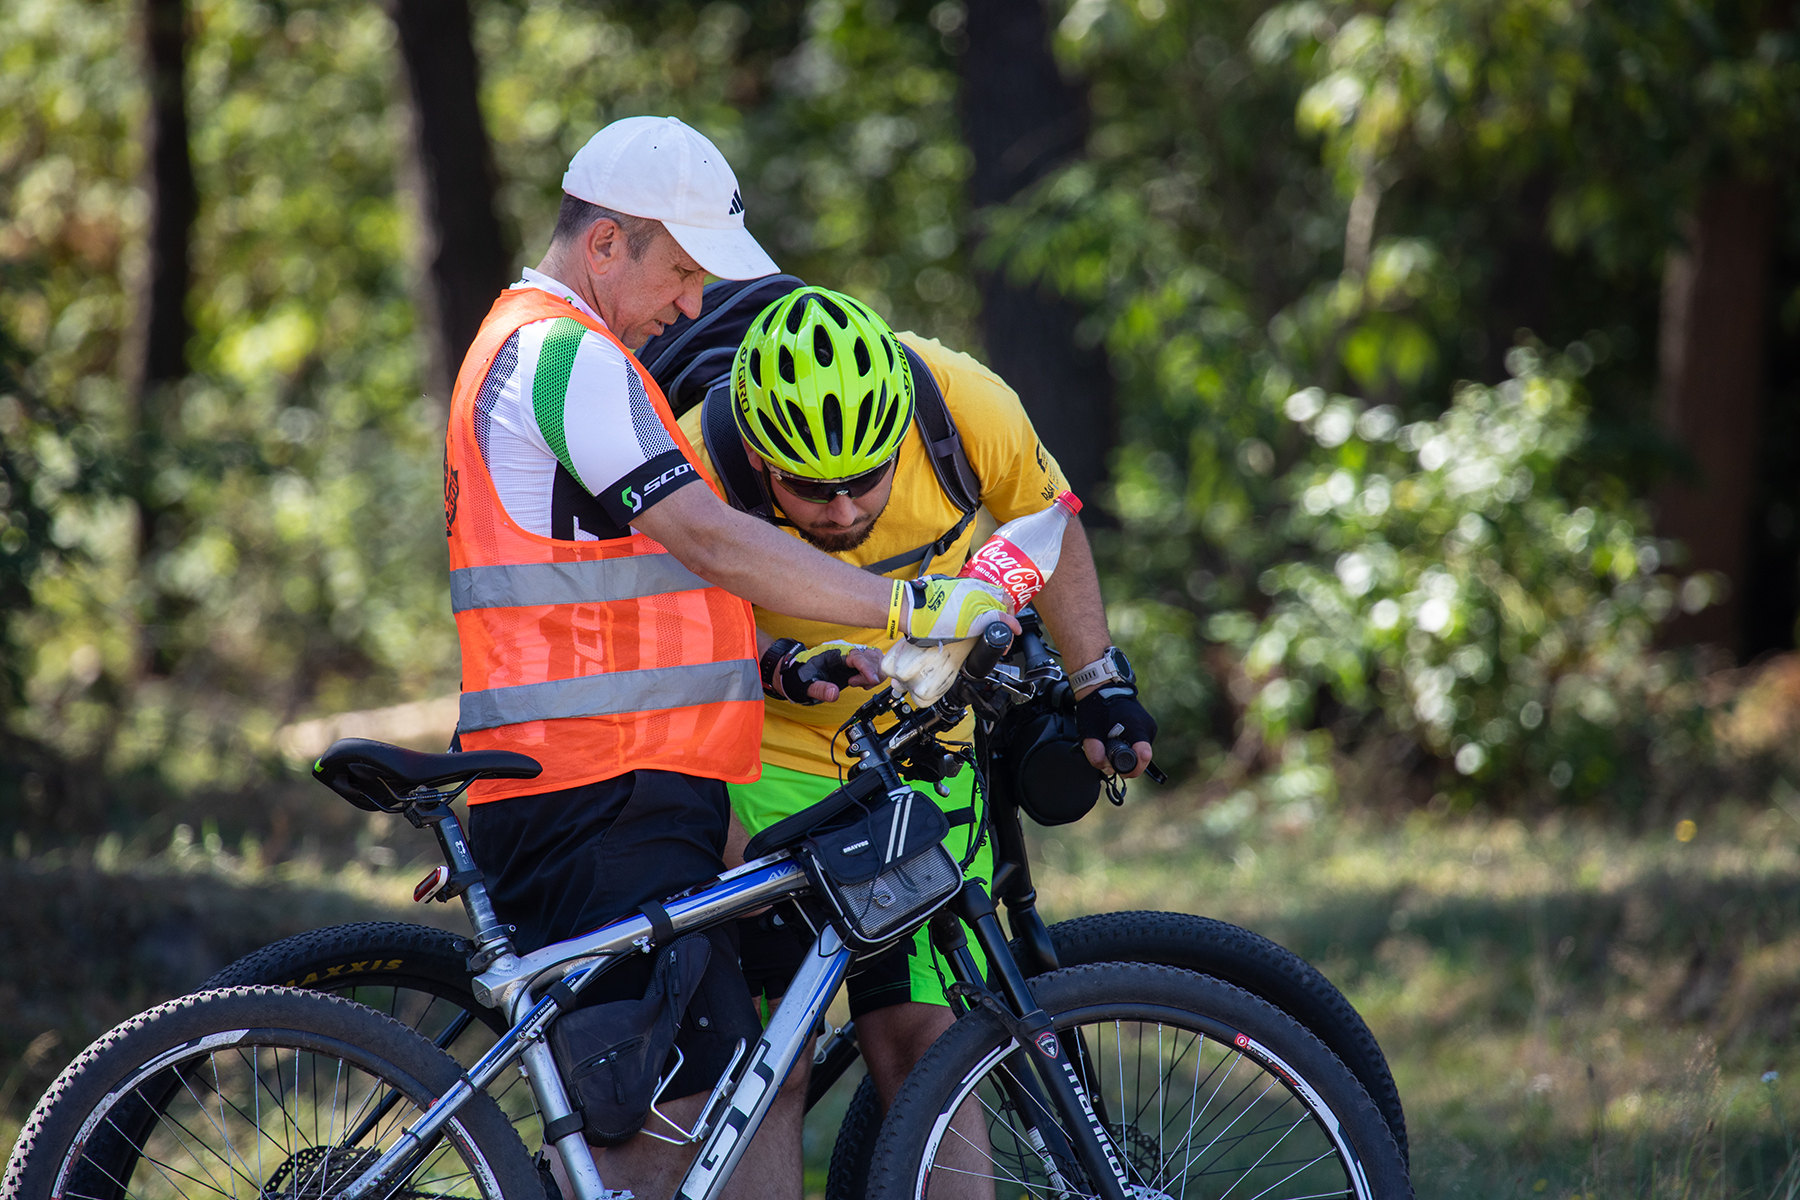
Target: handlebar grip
1119	754
989	647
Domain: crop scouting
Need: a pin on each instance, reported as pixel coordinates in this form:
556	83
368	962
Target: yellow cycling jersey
1018	476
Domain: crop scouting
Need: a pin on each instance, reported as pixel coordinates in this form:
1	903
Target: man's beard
844	540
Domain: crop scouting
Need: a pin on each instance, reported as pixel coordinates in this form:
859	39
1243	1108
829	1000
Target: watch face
1122	665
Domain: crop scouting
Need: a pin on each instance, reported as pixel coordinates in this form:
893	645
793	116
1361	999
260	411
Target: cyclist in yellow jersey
823	397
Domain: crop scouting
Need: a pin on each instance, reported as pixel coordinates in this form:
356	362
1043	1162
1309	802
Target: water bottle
1023	553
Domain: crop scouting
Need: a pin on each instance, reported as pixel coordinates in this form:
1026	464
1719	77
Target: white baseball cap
659	168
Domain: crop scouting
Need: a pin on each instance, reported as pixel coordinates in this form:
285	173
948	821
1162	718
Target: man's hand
935	609
1111	712
817	674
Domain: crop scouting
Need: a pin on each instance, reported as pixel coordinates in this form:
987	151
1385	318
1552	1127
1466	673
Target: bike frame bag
885	873
612	1055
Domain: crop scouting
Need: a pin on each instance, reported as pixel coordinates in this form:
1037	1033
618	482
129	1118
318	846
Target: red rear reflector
432	884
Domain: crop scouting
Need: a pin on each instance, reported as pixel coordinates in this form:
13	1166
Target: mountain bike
293	1093
417	973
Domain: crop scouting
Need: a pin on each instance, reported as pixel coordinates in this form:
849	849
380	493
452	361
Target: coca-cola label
1006	567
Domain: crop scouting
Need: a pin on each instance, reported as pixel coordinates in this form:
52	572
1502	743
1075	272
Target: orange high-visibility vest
595	658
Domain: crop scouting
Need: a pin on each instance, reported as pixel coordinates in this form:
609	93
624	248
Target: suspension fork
1051	1067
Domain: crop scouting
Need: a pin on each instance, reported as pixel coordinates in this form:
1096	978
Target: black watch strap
773	659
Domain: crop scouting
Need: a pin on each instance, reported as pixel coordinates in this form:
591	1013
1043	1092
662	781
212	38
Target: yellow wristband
893	625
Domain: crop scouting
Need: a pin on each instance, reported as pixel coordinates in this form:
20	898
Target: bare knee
893	1039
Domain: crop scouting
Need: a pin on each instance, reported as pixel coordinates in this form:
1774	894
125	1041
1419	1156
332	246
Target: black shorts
773	944
563	863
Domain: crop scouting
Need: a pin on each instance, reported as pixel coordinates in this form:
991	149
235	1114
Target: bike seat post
491	936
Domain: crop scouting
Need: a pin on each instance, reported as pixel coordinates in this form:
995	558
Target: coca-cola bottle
1023	553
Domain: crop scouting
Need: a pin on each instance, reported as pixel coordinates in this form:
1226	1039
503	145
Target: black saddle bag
885	873
613	1054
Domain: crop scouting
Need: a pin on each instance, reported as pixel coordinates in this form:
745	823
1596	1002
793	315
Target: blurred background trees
1434	362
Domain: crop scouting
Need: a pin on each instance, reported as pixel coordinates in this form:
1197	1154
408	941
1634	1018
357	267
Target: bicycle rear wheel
267	1092
416	974
1201	1089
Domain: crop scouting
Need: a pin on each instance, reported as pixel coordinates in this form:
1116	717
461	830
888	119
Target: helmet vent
887	343
796	314
864	411
821	344
832	415
756	367
837	314
887	422
774	435
799	420
784	362
862	357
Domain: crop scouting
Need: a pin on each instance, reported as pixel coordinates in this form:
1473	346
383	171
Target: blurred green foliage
1297	229
1301	228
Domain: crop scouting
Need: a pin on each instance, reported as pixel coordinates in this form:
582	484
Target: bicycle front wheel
1202	1091
265	1092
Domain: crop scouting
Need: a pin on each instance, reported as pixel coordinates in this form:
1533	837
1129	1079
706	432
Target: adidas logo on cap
737	205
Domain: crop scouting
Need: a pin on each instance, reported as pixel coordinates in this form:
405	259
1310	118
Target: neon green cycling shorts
911	970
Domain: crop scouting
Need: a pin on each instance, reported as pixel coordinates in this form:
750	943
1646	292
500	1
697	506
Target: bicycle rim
1193	1109
262	1113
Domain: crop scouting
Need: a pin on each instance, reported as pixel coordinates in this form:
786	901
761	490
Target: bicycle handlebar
990	647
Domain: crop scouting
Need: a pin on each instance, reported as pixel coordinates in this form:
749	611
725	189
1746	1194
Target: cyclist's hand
818	674
829	667
936	610
1112	713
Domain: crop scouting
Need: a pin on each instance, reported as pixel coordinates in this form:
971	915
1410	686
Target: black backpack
691	362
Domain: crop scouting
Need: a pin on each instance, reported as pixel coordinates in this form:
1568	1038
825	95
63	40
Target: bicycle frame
526	989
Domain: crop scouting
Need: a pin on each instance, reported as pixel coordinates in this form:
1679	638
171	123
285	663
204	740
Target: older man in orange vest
602	594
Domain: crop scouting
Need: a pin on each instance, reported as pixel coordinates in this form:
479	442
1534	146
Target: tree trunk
1711	364
158	353
449	170
156	350
1021	121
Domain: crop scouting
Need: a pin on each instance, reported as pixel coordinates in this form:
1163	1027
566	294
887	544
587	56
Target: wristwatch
1110	667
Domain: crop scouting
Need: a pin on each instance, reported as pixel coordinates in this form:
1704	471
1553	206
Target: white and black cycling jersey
567	430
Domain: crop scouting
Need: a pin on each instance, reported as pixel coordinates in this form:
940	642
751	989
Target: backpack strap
942	442
943	446
743	487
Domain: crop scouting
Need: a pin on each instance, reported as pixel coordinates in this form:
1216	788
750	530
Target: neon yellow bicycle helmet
821	387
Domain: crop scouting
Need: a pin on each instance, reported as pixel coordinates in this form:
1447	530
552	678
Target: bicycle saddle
371	775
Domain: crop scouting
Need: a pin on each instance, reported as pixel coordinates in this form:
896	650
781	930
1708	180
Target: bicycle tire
255	1071
370	957
415	974
1285	1114
1202	944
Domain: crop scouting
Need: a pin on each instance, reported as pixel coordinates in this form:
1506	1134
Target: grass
1571	1008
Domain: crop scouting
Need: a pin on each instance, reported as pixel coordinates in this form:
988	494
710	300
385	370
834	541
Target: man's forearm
1070	602
765	566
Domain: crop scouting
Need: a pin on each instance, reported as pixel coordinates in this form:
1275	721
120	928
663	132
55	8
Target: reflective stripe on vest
609	694
518	585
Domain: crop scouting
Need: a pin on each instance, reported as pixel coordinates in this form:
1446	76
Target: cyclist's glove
1113	713
935	609
789	668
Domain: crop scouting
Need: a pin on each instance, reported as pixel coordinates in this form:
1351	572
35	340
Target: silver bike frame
509	985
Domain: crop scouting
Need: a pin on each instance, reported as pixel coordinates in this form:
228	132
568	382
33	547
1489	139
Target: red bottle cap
1070	501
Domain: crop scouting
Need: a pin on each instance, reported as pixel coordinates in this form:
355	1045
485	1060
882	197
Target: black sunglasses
824	491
